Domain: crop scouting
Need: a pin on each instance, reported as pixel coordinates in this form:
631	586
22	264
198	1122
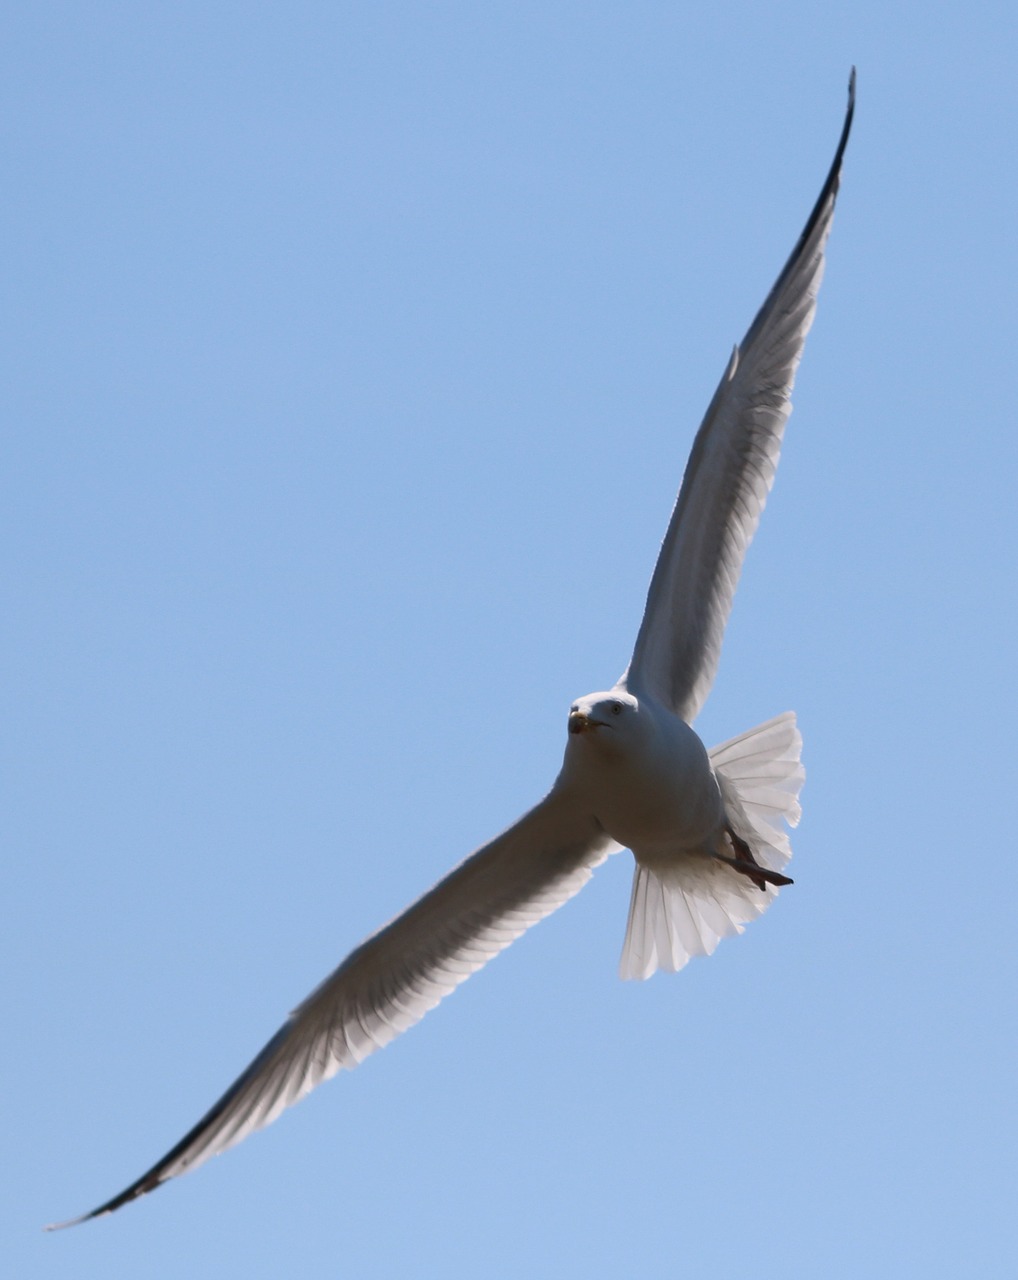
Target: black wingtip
71	1222
172	1164
125	1197
850	110
834	176
822	208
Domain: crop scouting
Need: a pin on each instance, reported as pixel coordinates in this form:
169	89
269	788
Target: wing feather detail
728	477
393	978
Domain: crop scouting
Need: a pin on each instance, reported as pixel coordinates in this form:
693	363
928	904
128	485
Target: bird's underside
728	870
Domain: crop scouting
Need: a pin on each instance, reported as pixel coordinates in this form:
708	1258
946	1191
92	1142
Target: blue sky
354	354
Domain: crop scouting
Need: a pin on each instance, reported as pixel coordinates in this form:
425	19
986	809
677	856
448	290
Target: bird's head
609	719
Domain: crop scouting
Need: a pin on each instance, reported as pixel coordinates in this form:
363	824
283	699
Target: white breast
649	783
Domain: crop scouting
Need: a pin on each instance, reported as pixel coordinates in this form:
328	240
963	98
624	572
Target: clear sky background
353	355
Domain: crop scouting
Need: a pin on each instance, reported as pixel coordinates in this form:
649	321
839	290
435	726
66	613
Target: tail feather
686	909
760	776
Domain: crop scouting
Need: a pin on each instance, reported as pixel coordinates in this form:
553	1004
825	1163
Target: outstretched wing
391	981
728	476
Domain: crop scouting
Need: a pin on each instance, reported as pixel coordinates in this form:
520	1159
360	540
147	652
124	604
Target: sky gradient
354	354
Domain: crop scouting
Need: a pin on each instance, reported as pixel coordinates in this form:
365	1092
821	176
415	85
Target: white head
610	721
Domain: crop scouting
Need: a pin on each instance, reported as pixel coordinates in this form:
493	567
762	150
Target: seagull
705	827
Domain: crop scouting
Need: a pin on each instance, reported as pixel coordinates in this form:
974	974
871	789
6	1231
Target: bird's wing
728	476
391	981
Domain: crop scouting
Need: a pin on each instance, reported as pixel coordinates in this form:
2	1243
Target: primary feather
728	477
393	978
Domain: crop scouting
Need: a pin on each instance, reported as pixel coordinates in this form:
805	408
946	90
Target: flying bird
705	827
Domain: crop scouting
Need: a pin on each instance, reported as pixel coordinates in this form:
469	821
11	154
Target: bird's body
702	867
706	827
645	776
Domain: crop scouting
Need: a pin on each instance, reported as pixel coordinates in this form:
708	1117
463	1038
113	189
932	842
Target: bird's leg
746	864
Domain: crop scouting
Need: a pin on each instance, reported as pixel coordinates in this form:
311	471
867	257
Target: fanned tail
686	909
761	775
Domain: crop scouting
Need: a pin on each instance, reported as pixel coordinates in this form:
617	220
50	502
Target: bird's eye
616	708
